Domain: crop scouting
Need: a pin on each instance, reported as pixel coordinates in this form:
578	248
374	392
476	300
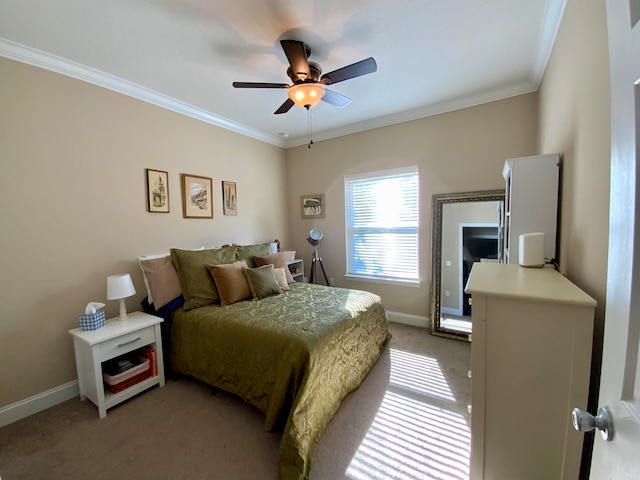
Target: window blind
382	220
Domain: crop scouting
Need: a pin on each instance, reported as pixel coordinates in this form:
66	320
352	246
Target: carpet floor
408	420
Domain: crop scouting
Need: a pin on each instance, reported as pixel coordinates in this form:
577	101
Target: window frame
415	230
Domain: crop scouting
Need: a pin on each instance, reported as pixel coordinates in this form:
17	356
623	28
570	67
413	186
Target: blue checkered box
92	321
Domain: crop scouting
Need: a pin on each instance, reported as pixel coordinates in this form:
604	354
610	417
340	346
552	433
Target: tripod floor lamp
315	238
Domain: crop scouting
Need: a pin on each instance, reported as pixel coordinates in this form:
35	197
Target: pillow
161	279
262	281
282	279
198	286
277	260
142	258
230	281
247	252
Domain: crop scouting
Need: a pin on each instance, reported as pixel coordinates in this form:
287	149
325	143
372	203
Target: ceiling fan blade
363	67
285	107
297	55
259	85
335	99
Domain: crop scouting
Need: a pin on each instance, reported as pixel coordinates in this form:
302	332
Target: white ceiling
433	55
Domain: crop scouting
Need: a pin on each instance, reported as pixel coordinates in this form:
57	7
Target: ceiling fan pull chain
309	129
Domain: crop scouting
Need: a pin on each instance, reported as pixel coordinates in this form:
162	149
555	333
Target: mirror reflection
467	228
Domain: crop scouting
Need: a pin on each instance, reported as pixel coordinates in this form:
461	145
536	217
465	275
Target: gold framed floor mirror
466	227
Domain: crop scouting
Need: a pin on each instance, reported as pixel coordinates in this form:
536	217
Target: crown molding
38	58
551	21
418	113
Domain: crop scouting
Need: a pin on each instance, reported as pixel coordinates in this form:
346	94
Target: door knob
585	422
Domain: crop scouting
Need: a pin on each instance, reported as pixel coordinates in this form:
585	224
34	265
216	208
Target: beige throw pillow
230	281
162	280
282	279
278	261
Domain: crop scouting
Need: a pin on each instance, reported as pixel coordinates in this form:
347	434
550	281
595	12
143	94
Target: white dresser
530	361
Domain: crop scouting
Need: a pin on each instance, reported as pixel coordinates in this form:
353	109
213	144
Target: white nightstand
116	338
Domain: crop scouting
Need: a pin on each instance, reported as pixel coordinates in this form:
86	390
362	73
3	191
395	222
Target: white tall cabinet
531	202
530	362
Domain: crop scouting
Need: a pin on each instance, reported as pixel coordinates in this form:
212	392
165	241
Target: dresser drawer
126	343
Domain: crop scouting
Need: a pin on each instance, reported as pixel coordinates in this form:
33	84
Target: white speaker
531	250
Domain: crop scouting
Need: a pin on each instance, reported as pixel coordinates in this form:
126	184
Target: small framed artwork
229	198
157	191
197	199
312	206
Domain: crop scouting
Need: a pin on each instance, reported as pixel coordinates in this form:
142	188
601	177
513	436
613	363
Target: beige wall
575	120
455	152
72	192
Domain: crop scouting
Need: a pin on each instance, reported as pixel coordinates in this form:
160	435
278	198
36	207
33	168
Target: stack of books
150	353
127	370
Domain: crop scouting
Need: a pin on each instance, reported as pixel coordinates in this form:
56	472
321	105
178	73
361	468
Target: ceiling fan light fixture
306	95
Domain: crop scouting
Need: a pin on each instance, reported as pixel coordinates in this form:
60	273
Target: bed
293	355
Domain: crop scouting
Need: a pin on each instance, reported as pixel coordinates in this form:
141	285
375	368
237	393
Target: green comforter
294	356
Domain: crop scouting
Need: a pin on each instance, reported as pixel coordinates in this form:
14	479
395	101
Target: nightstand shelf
112	399
116	338
296	267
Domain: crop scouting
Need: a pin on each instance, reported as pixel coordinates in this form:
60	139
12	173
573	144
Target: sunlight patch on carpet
412	437
419	374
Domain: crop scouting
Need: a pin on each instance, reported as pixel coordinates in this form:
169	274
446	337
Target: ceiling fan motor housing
315	71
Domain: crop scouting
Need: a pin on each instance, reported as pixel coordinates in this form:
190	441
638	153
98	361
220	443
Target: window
382	225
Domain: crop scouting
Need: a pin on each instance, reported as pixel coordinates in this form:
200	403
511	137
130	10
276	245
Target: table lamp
120	287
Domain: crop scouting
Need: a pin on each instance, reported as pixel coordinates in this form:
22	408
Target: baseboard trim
405	318
37	403
42	401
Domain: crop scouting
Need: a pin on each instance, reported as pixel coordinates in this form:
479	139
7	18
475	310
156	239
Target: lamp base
123	311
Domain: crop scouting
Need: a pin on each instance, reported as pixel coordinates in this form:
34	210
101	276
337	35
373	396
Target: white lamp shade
120	286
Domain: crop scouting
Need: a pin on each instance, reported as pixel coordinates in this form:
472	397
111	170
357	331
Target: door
620	381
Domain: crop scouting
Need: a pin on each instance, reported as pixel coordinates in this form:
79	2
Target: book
150	353
118	366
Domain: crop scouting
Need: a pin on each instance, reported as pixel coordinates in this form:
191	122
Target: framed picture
229	198
197	199
312	206
157	191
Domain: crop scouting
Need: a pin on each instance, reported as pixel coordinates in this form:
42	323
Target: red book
155	363
150	353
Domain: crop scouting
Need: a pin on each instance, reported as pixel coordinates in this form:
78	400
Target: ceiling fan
308	86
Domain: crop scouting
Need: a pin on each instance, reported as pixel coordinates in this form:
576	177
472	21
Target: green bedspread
294	356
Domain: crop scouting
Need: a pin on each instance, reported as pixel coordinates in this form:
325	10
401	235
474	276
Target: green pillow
247	252
198	287
262	281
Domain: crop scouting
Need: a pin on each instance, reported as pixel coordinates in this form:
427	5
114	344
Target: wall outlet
332	282
447	263
446	293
